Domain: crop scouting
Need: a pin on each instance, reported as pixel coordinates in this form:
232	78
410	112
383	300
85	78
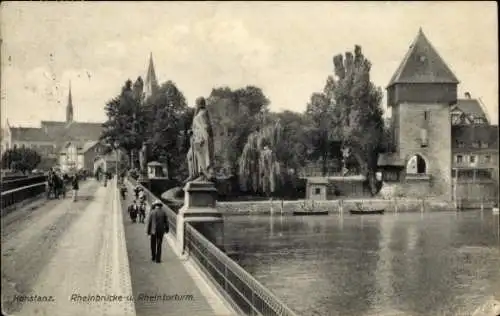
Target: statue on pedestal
201	152
143	168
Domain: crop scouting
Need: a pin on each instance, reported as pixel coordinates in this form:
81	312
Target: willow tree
259	168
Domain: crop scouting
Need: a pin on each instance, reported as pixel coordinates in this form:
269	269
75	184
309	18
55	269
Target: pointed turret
422	76
151	83
69	107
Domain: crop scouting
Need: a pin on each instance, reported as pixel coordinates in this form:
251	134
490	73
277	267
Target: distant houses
51	139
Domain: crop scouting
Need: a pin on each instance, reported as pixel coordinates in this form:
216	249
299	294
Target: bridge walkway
186	291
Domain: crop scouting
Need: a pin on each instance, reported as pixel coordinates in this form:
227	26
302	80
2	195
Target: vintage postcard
249	158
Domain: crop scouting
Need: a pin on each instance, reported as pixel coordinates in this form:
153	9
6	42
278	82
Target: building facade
52	136
437	137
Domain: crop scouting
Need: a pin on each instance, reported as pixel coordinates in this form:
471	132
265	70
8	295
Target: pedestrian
157	226
142	211
74	184
132	210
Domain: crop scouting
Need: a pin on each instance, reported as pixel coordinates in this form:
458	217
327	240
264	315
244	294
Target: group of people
56	184
138	206
156	224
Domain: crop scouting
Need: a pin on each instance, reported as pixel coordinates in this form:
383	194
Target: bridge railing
240	288
251	297
17	195
150	198
10	184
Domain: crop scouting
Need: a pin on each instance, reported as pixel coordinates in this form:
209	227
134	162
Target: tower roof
422	64
69	106
151	74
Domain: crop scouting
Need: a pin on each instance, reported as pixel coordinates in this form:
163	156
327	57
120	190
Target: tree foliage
235	114
357	111
20	159
259	168
169	120
126	121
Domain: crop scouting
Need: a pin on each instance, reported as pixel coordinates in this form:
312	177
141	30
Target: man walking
157	226
74	184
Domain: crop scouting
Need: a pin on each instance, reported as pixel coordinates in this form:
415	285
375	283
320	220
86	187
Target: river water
418	264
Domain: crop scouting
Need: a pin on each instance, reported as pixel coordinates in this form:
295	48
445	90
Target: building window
453	173
460	144
459	158
317	191
478	120
455	118
484	145
487	159
476	144
416	165
472	159
427	115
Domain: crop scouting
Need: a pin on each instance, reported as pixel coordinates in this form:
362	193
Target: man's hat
157	203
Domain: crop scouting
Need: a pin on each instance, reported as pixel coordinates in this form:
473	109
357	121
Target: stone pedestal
199	210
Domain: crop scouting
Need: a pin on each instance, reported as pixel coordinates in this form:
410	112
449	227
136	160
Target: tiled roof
422	64
470	133
29	134
469	106
76	131
88	145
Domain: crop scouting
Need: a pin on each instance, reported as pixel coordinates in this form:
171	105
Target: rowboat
367	212
306	213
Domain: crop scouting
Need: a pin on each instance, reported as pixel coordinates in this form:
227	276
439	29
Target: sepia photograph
272	158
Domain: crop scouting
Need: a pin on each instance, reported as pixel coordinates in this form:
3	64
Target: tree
259	168
235	115
169	120
320	112
20	159
356	103
127	121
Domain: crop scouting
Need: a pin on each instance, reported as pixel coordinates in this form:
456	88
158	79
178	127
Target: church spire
151	83
69	106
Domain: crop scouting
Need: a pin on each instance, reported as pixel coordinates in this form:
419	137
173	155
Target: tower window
317	191
427	115
416	165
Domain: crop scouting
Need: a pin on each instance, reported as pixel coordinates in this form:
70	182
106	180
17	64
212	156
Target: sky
285	48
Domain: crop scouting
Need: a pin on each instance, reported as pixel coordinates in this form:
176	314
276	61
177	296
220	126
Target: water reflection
404	264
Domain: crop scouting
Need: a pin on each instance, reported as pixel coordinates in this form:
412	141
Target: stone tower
420	94
151	83
69	107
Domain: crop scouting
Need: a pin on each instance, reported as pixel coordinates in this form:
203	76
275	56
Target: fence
235	283
17	195
240	288
7	185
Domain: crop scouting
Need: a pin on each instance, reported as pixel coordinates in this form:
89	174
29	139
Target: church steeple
151	83
69	107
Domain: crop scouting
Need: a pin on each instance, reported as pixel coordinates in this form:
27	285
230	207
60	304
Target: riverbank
334	206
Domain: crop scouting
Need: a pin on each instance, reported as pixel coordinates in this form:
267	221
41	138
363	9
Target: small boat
361	211
367	212
309	210
304	213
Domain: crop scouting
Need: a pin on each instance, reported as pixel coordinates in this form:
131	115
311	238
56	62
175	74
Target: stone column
200	211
